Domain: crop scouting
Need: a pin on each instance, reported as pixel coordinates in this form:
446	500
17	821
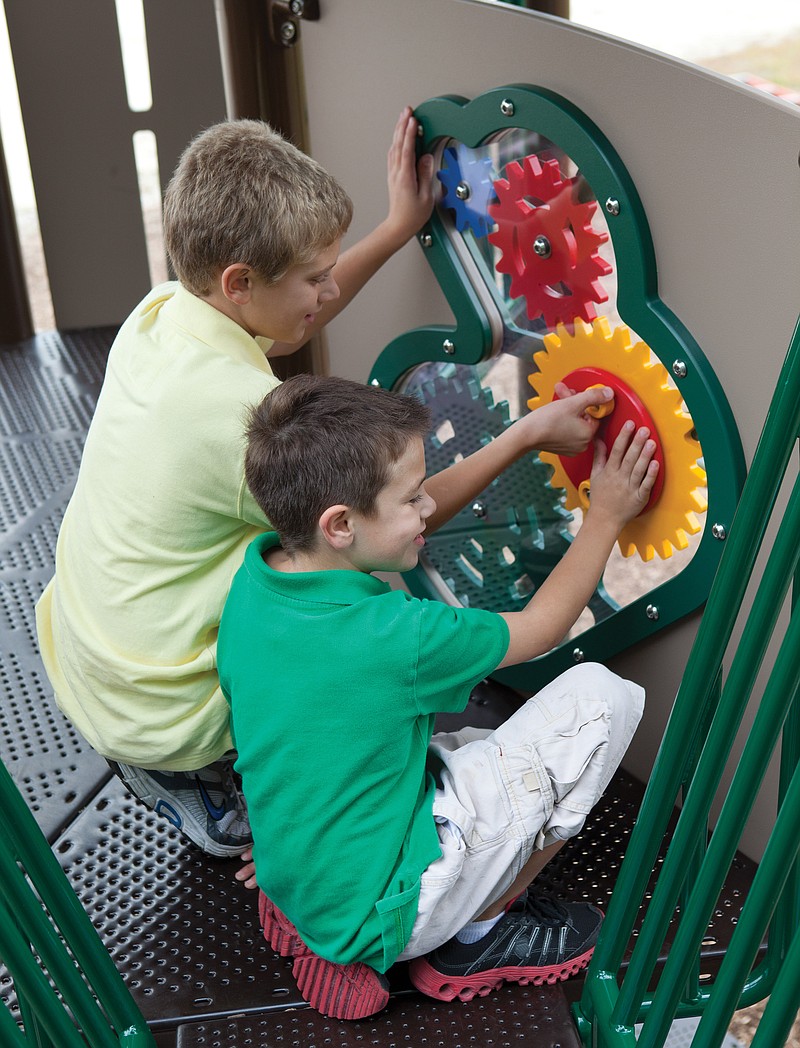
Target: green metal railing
69	995
707	715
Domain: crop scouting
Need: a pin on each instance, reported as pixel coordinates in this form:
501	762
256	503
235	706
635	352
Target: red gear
535	201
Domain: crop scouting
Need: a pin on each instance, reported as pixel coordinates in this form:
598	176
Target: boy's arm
410	185
562	427
620	489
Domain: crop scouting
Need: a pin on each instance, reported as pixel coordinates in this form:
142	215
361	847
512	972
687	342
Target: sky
691	29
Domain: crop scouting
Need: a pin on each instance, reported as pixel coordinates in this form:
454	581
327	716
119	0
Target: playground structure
530	183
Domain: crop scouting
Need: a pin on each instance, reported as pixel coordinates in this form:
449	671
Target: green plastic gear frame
473	340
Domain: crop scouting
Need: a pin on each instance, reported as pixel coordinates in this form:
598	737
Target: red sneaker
279	931
339	991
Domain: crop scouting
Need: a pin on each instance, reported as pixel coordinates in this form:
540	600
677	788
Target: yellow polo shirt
153	534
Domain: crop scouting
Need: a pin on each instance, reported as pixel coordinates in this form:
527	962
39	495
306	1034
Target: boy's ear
336	527
236	282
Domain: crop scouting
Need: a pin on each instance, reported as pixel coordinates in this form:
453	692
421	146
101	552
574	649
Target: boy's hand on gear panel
564	426
410	180
623	478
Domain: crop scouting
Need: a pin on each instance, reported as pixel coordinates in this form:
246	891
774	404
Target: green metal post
783	686
696	695
738	688
783	1005
768	884
23	841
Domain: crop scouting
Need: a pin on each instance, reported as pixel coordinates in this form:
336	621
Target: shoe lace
544	909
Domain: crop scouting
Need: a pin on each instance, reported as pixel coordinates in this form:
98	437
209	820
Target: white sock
476	930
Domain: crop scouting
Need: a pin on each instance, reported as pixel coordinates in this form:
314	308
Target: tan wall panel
79	130
716	165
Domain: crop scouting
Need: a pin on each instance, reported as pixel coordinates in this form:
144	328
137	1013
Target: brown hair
317	442
242	193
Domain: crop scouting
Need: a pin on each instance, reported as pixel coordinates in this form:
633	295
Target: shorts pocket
397	914
527	786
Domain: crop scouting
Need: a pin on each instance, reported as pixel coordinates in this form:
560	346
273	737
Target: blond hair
242	193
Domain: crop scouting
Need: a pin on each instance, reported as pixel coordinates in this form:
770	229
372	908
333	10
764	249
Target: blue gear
463	167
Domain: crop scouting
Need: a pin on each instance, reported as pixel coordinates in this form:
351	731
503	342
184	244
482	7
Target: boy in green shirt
375	840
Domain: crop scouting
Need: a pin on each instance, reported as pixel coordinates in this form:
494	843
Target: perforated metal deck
181	930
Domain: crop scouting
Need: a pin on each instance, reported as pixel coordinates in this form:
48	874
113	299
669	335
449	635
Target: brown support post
15	311
550	7
263	81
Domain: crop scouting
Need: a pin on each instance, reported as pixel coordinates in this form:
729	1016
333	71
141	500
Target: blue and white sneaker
206	805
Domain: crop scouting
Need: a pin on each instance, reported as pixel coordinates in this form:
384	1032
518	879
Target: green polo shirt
334	680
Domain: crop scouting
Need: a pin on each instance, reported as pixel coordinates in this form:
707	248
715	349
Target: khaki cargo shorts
527	784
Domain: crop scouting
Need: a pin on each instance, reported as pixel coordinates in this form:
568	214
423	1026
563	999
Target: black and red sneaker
538	940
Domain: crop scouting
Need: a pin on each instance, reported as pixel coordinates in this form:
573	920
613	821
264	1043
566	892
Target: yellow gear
666	525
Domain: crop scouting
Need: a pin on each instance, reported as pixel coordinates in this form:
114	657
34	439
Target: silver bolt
651	611
577	655
462	191
297	7
679	368
541	247
288	33
449	347
507	107
719	532
479	509
612	206
374	382
426	240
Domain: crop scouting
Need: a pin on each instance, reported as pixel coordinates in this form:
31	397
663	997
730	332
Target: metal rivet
577	655
612	206
426	240
462	191
719	532
288	32
375	382
297	7
651	611
479	509
541	247
679	368
449	347
507	107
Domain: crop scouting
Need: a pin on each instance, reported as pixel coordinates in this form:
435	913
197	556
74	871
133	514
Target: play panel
541	245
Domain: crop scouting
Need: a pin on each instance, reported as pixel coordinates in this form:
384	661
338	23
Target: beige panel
186	74
716	165
79	130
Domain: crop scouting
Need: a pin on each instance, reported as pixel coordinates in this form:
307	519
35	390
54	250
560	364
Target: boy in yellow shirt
160	515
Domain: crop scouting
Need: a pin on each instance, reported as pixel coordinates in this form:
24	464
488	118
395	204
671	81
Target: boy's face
284	311
391	539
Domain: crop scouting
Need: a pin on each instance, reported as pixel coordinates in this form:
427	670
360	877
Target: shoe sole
283	939
139	789
464	987
338	991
